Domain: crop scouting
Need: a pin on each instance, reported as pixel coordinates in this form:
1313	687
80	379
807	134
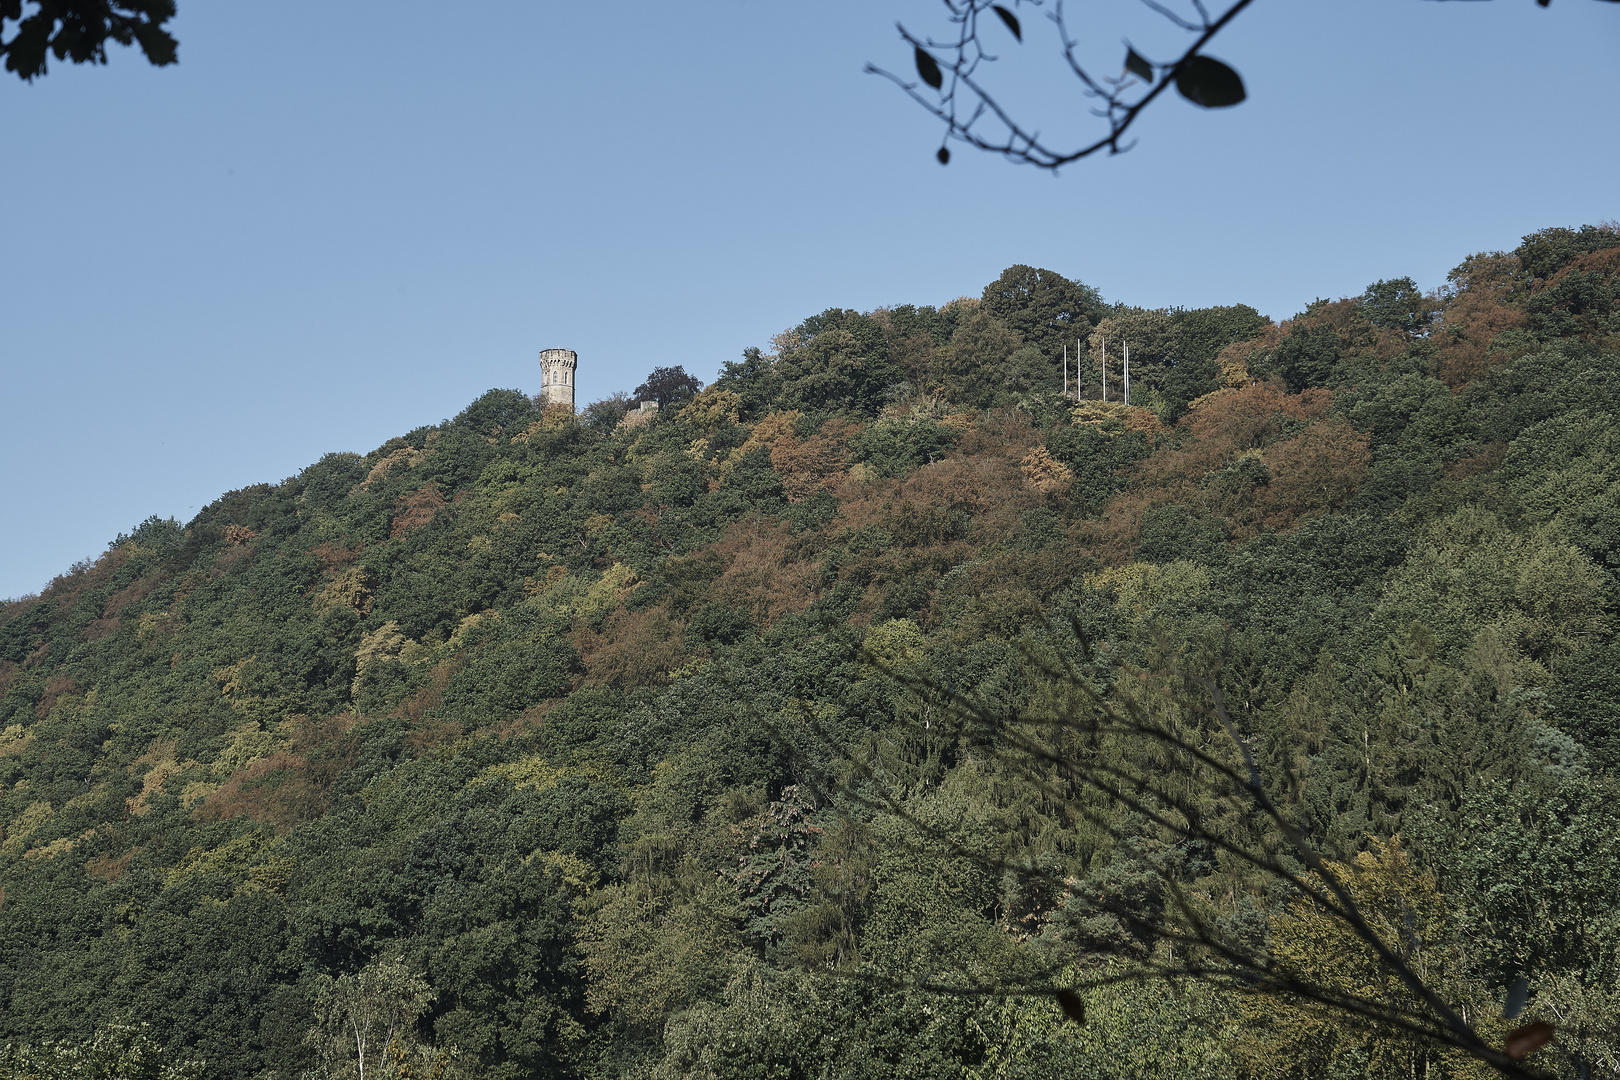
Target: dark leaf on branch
1072	1006
944	156
1011	20
78	31
1138	66
1528	1039
1205	81
928	68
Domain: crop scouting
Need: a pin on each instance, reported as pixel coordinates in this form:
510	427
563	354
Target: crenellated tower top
557	367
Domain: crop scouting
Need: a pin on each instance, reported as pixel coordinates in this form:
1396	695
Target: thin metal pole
1066	369
1127	373
1105	369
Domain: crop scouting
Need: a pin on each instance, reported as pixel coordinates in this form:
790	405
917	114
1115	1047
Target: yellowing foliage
248	857
713	407
244	744
401	458
387	642
769	431
1288	1037
60	846
24	825
1139	587
535	772
616	582
231	678
14	740
351	589
1116	417
161	767
1045	473
893	644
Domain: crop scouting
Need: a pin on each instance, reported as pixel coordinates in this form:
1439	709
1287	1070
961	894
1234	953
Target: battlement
557	369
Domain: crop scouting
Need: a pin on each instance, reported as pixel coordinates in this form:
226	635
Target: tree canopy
634	743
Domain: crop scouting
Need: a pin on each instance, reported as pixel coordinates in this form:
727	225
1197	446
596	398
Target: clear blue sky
332	223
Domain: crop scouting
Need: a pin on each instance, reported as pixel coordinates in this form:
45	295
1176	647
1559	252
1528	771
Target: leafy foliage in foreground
528	720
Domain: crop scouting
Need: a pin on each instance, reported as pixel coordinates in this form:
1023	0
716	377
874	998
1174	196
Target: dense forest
597	745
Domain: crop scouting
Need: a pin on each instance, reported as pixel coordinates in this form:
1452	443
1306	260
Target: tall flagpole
1066	369
1105	368
1127	373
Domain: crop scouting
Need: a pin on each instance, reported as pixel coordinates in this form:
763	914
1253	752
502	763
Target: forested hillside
536	730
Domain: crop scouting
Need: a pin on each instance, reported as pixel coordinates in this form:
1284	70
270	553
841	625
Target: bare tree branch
1048	753
963	101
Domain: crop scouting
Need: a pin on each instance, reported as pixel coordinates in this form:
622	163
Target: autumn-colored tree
1314	472
1222	467
1482	299
756	574
1582	299
416	509
1045	474
713	407
634	648
812	464
1286	1037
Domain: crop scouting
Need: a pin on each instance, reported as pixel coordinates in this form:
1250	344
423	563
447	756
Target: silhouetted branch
961	100
1055	754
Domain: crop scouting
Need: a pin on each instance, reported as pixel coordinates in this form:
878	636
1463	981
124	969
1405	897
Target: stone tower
557	376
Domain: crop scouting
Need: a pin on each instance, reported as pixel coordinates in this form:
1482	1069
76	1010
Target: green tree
837	361
668	386
604	415
754	378
1044	308
114	1052
1467	572
1154	338
363	1021
1546	251
1398	304
1586	701
1535	869
1566	472
971	365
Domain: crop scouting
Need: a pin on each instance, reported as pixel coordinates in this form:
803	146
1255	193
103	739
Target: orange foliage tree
813	464
1225	457
415	510
1314	472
